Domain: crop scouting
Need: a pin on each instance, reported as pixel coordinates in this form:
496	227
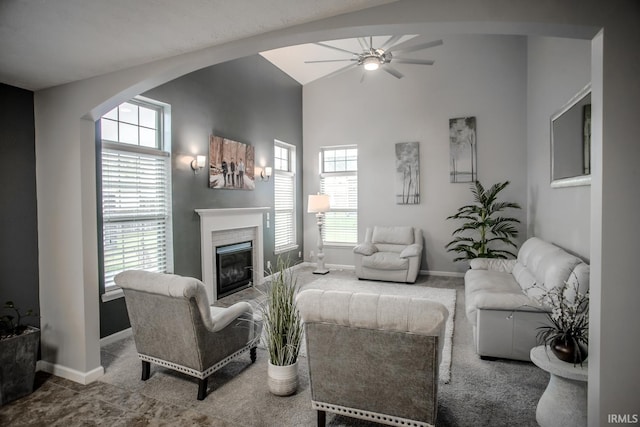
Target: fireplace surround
223	227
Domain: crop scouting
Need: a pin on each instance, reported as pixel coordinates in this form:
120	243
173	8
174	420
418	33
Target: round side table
564	402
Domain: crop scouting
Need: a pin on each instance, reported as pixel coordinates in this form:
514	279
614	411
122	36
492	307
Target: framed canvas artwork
231	164
462	150
407	173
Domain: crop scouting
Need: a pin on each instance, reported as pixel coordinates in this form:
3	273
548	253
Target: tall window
339	179
136	190
285	196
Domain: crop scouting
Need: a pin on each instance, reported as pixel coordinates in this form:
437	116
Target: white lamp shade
268	171
318	203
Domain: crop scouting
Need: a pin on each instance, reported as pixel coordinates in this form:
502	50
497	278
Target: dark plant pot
18	357
569	351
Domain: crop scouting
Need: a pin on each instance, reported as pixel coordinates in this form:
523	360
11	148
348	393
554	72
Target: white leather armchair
391	254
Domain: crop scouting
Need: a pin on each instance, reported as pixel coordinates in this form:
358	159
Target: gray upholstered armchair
373	357
174	326
389	253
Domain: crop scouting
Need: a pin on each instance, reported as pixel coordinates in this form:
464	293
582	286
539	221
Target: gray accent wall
247	100
18	216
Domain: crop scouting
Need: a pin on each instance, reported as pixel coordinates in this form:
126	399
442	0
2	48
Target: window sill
285	249
112	294
339	245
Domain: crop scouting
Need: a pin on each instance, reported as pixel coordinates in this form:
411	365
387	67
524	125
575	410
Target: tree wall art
407	173
462	150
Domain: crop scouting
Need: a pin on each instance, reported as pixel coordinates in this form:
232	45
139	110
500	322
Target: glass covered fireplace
234	268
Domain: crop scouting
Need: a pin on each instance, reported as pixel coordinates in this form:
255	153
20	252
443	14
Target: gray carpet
481	393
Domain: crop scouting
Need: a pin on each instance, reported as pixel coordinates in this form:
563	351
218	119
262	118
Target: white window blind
284	197
136	207
339	179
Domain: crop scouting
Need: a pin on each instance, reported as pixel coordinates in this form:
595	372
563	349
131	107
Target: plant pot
569	351
18	357
282	380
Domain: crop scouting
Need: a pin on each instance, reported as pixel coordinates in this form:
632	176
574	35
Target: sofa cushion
523	276
385	261
411	250
393	235
556	268
503	265
488	289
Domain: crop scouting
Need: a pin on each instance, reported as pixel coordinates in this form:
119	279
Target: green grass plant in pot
485	233
18	353
282	330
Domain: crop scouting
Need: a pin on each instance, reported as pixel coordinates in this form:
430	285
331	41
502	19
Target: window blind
136	208
284	206
341	223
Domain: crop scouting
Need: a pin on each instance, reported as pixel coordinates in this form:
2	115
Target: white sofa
504	317
391	254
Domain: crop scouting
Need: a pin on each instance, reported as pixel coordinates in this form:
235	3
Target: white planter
282	380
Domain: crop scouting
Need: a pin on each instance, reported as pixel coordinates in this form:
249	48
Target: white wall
481	76
557	69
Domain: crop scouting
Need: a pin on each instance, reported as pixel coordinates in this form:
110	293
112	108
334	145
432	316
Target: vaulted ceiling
49	43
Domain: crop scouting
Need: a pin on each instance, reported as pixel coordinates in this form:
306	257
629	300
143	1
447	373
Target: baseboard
340	267
70	374
110	339
351	268
440	273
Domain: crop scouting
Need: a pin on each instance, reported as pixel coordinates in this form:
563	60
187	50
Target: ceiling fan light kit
371	63
372	58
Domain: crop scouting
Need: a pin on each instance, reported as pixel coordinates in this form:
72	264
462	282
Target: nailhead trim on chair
367	415
194	372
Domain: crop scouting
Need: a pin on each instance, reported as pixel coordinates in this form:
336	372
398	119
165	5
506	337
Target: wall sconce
265	173
198	163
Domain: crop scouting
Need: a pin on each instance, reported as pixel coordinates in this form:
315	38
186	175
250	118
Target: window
284	196
339	179
136	190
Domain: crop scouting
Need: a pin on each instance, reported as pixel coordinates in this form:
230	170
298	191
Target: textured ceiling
45	43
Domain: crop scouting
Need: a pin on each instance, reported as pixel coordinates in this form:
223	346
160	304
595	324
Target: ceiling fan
372	58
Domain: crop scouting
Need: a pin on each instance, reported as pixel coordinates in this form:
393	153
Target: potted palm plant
485	232
283	330
18	354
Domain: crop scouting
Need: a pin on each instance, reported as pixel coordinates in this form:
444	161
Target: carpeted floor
480	393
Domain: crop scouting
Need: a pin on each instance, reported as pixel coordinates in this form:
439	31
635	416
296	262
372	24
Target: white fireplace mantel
215	220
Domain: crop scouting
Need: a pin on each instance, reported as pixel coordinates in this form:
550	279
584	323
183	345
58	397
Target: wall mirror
571	142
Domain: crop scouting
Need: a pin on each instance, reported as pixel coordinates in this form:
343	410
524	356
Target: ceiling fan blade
330	60
391	41
413	61
420	46
340	70
363	43
336	48
395	73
